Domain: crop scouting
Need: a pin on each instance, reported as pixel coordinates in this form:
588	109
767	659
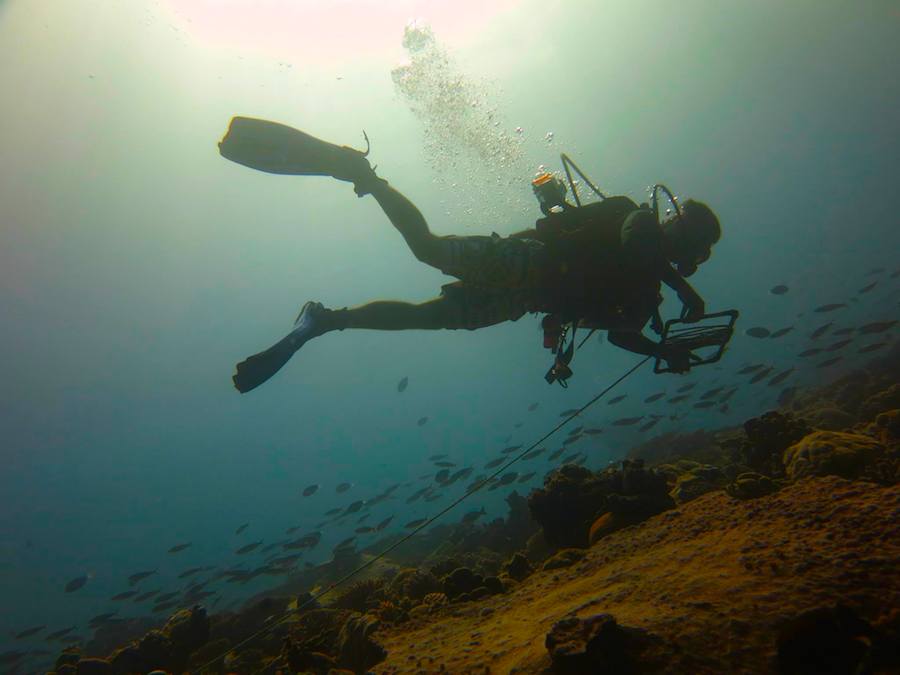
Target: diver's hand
678	359
693	308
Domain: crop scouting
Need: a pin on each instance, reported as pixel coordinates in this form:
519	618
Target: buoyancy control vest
590	273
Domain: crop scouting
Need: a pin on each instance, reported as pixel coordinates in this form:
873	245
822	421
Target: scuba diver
598	266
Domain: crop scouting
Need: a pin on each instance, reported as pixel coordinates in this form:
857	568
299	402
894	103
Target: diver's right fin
257	369
277	148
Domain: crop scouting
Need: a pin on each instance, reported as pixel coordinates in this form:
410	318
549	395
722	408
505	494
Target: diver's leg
408	220
482	260
394	315
316	320
458	307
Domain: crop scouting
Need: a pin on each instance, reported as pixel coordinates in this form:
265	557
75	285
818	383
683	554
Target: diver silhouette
598	266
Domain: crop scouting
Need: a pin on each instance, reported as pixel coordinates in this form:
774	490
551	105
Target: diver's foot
312	321
353	167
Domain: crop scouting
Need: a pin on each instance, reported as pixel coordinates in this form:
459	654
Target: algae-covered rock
68	657
127	660
767	437
300	660
494	585
461	581
518	567
696	483
356	648
573	497
414	584
675	446
567	504
600	646
151	652
94	666
389	612
829	419
187	631
479	593
831	453
361	595
565	558
430	603
537	548
887	425
419	612
886	399
829	640
318	630
212	651
751	485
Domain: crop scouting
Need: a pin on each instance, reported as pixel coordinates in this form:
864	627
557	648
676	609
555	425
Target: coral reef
573	497
826	453
736	572
766	548
767	437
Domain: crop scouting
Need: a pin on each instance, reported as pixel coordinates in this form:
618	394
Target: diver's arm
678	359
524	234
633	341
692	301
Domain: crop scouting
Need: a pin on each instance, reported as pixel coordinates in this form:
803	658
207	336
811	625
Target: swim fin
256	369
277	148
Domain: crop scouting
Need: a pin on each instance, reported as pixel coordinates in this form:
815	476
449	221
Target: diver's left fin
257	369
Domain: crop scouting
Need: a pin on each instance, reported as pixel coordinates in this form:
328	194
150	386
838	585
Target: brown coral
831	453
573	497
767	437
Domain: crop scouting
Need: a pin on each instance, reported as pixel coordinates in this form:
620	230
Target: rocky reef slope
773	547
712	586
